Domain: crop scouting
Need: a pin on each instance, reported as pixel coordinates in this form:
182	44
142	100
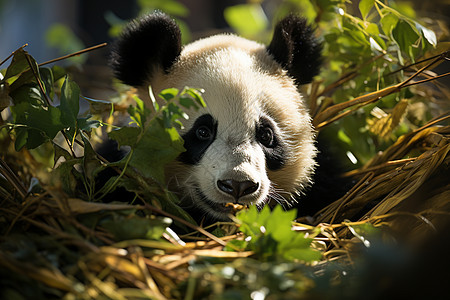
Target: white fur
242	83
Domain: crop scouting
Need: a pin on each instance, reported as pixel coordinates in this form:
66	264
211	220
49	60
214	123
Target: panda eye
265	137
203	133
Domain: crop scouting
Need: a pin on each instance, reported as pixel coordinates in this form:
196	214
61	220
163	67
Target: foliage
31	90
269	235
157	143
65	235
365	51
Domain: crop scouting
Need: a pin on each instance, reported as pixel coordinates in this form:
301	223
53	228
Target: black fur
195	148
328	185
296	49
146	44
275	152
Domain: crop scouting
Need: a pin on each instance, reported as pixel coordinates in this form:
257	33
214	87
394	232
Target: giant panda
253	143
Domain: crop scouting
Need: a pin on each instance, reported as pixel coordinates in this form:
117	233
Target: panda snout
237	189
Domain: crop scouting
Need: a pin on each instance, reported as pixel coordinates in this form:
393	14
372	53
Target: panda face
238	147
253	142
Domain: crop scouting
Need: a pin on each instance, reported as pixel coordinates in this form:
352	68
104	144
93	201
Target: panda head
253	142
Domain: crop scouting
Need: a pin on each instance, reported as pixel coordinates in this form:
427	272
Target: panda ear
146	46
296	49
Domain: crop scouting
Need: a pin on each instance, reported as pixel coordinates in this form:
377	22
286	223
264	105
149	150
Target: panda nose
237	189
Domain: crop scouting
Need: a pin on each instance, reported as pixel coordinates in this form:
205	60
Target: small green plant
36	117
269	234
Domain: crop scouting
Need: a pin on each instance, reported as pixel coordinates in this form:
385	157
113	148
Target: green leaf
429	35
64	176
19	64
196	94
5	99
187	102
352	29
48	81
41	124
374	45
406	38
304	254
139	113
21	138
90	162
172	114
157	147
24	72
169	94
86	124
59	151
271	235
125	136
249	221
169	205
280	223
372	29
27	93
365	6
58	72
388	23
366	233
70	103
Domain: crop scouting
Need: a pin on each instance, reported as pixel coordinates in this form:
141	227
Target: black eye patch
198	139
272	146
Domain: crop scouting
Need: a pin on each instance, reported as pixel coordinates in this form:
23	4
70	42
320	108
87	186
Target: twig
73	54
323	118
426	80
436	120
349	75
443	54
364	99
440	57
186	223
392	163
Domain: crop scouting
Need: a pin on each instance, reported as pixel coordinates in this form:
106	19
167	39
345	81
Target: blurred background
56	27
53	26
